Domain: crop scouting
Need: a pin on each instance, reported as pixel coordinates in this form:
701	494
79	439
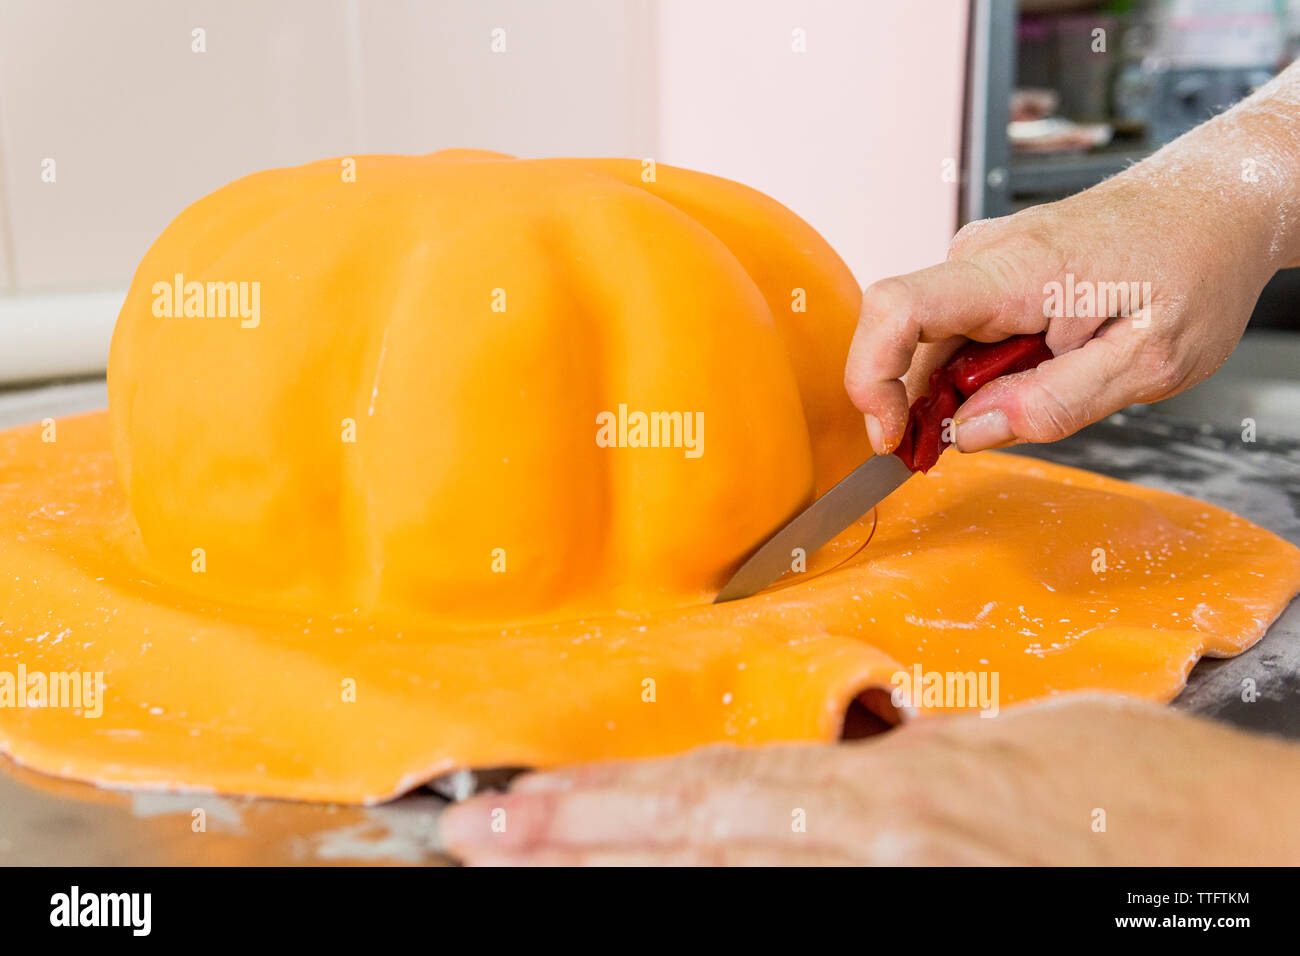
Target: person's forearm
1250	805
1240	171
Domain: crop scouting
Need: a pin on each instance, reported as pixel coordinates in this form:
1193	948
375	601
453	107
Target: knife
973	366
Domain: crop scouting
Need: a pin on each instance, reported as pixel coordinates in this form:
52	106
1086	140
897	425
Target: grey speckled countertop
45	821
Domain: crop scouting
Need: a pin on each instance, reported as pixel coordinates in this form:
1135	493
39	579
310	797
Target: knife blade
972	367
856	494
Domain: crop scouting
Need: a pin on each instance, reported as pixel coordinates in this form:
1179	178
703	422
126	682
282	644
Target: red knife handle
974	366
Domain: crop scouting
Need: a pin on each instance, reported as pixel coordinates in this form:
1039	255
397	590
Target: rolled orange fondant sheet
439	464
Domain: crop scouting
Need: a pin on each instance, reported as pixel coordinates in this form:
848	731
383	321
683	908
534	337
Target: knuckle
1164	377
1160	369
858	385
1023	255
1044	416
887	300
973	235
534	819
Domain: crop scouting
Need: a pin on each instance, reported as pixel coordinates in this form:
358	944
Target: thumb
1055	399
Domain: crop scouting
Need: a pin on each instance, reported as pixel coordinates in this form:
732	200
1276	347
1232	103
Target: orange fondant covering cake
414	463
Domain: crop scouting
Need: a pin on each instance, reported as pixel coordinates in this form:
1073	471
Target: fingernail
984	431
876	435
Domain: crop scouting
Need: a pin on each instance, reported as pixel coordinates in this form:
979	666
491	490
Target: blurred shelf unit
1064	173
1122	77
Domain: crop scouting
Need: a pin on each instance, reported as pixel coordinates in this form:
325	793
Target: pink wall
851	134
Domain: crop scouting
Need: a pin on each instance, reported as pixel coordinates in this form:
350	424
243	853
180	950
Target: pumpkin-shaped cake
418	463
478	388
